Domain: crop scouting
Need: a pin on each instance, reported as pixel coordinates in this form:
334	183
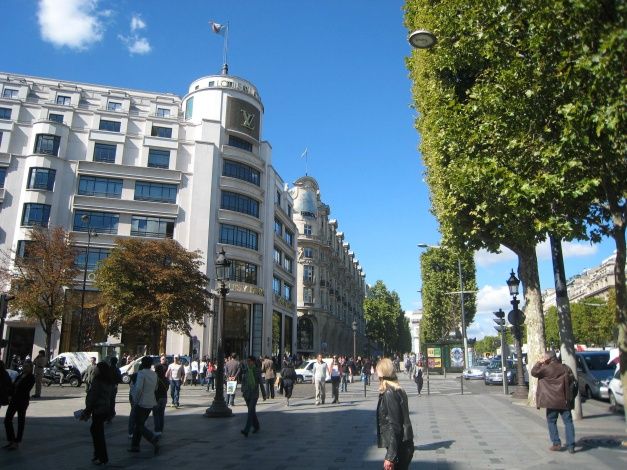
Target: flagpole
225	67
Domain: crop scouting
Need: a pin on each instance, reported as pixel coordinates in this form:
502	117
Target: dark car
594	373
494	373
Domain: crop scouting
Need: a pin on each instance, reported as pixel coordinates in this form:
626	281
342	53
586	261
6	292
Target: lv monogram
247	119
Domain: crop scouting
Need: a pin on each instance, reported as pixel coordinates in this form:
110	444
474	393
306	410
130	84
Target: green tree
42	276
152	285
385	322
593	323
441	305
487	345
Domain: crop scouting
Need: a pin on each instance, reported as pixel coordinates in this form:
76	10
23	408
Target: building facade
127	163
331	283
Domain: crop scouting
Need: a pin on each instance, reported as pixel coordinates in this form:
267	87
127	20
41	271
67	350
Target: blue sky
332	77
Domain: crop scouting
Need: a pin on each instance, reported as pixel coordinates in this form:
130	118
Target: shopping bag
231	385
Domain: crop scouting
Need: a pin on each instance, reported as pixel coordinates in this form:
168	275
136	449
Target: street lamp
218	408
86	220
516	318
354	340
461	298
422	39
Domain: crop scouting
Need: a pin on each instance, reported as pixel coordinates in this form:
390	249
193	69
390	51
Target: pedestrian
346	372
202	373
555	381
90	373
18	403
288	378
211	375
394	429
418	379
176	376
320	372
366	370
188	374
144	401
131	385
61	369
6	385
251	384
161	395
116	376
267	368
98	407
336	377
232	371
38	369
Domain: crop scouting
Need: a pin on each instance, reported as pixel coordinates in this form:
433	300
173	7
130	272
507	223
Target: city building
592	282
414	318
128	163
330	282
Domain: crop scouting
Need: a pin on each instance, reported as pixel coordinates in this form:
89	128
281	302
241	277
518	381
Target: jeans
230	399
251	418
20	409
345	383
141	415
567	417
211	383
175	391
98	436
158	414
270	387
335	389
320	390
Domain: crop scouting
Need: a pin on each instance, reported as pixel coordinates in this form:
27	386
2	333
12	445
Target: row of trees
522	119
145	285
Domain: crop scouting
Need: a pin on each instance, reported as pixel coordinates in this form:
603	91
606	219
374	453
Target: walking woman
394	431
251	382
418	379
288	378
98	406
18	403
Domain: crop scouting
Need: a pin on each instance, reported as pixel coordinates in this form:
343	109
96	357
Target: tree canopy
385	320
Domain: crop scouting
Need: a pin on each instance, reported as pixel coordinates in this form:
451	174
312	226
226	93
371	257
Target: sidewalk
452	431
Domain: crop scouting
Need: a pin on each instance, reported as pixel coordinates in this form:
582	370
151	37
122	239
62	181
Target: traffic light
500	321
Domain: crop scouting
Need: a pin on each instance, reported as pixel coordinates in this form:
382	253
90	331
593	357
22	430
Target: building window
288	263
238	236
158	158
9	93
189	108
55	117
111	126
239	203
241	171
3	175
243	272
35	214
114	106
102	187
278	228
308	273
277	256
5	113
41	178
95	256
152	227
23	248
308	253
307	230
48	144
305	334
277	198
163	112
289	210
287	291
240	143
276	286
63	100
308	295
158	131
104	153
101	222
158	192
288	236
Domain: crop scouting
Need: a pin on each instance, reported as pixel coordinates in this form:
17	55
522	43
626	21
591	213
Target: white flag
217	27
304	154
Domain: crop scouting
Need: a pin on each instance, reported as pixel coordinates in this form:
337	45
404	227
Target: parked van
594	373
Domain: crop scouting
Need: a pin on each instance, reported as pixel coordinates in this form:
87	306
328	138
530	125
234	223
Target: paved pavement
481	429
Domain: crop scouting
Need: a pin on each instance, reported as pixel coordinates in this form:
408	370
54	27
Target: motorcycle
71	375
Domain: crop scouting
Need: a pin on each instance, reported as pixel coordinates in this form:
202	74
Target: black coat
6	387
20	396
393	423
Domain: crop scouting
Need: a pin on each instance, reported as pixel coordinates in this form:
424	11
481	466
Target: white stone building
142	164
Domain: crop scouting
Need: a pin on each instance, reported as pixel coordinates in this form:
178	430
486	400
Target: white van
304	374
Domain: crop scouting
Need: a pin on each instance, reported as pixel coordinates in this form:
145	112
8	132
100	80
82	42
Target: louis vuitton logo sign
247	119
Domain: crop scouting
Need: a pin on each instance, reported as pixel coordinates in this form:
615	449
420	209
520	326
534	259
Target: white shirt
175	371
194	366
319	370
144	389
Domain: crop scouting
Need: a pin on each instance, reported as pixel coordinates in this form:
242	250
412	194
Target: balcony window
276	286
287	291
114	106
158	131
5	113
308	295
288	263
155	227
101	187
24	248
41	178
238	236
307	230
239	203
158	192
47	144
308	253
240	143
104	153
3	175
64	100
288	236
163	112
241	171
243	272
101	222
278	228
55	117
277	256
35	214
189	108
111	126
9	93
308	273
94	257
158	158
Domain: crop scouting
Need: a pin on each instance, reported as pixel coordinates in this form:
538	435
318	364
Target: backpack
573	388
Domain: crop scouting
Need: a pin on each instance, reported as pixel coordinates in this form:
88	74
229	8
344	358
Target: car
128	369
494	373
304	374
477	371
615	392
594	373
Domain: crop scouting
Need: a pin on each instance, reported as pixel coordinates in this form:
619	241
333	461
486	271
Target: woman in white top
144	401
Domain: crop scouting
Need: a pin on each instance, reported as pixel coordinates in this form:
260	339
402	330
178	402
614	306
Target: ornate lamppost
86	219
517	318
354	340
218	408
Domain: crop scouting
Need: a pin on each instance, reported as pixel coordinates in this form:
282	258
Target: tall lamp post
218	408
354	340
516	318
86	219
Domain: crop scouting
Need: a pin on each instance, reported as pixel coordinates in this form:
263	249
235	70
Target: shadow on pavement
594	442
435	445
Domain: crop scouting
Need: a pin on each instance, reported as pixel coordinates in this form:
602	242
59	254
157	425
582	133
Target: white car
304	374
615	391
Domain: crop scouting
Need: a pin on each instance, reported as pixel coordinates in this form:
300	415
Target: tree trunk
621	299
48	332
565	325
163	334
528	274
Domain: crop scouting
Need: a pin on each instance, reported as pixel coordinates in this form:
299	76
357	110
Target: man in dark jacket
553	393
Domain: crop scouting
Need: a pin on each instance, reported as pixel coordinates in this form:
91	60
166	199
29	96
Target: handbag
231	385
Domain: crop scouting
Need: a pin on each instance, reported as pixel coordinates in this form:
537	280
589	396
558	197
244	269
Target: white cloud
139	46
70	23
137	23
484	258
490	298
135	43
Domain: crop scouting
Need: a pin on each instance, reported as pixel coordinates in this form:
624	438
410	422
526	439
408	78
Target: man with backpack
556	393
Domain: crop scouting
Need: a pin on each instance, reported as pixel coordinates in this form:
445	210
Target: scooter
71	375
